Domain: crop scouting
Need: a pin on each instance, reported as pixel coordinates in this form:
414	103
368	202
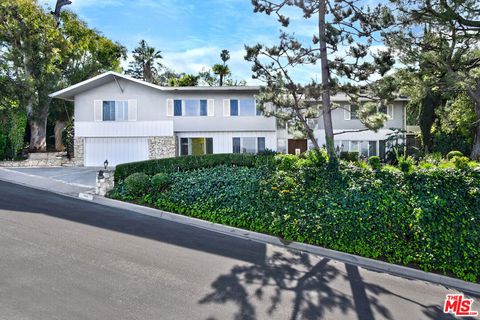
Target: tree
186	80
47	51
340	24
144	60
221	69
449	45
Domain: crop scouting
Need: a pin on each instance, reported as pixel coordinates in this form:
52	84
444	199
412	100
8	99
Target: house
121	119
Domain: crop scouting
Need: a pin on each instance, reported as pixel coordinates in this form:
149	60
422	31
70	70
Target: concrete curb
367	263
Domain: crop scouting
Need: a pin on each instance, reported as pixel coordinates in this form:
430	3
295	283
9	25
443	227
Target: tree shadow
312	288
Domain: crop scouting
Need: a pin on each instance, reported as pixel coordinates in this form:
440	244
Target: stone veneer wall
79	149
161	147
41	159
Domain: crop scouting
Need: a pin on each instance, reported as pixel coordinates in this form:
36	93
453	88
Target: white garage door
115	150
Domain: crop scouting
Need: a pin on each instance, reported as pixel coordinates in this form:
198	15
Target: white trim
169	107
98	110
210	107
226	107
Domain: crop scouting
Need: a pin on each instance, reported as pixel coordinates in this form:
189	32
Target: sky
191	34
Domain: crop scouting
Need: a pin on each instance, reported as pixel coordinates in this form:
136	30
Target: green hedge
428	218
185	163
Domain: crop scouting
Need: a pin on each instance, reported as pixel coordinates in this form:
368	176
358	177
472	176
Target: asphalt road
63	258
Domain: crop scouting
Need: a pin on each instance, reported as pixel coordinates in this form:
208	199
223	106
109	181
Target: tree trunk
475	95
221	80
38	134
327	108
59	127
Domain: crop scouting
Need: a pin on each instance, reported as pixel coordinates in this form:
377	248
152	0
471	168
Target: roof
69	93
107	77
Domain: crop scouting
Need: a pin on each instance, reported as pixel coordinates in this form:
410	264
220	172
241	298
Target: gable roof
107	77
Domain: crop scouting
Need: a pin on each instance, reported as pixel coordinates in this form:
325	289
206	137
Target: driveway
77	176
64	258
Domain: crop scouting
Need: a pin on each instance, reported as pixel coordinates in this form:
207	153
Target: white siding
115	150
123	129
222	141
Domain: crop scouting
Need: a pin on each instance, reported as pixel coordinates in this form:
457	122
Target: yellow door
198	146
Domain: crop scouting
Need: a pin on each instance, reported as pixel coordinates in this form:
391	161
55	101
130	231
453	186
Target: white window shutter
346	113
132	110
169	107
226	107
390	111
97	110
211	107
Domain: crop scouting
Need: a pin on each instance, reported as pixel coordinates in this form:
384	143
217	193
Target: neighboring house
121	119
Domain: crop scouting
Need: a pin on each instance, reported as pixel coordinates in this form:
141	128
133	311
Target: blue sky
190	34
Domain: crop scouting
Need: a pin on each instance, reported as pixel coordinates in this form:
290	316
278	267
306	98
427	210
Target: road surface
63	258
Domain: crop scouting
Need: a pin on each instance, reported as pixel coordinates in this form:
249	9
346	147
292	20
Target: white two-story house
121	119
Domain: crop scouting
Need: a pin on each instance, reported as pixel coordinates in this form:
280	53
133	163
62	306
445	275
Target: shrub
454	153
187	163
287	162
461	162
349	156
137	184
160	181
316	157
374	162
390	168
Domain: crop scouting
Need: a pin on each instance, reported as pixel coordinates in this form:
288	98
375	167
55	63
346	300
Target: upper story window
240	107
116	110
388	110
190	107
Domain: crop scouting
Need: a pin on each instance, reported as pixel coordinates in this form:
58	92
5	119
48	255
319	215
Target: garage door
115	150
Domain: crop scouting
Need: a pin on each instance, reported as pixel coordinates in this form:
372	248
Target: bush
187	163
160	181
428	218
454	153
349	156
374	162
137	184
461	162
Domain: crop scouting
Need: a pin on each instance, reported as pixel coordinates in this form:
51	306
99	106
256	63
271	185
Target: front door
297	146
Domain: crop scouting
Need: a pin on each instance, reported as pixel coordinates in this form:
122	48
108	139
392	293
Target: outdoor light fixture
105	164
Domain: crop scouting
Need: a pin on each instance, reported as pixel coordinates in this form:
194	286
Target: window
196	146
243	107
364	148
248	145
203	107
260	144
233	107
388	110
177	107
190	107
115	110
372	148
354	112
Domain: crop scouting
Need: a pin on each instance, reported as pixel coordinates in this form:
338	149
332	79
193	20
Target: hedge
427	218
185	163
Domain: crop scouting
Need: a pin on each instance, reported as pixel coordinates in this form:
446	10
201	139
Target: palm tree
221	70
143	64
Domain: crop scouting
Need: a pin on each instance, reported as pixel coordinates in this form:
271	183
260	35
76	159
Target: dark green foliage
137	184
374	162
405	165
428	218
349	156
454	153
160	181
185	163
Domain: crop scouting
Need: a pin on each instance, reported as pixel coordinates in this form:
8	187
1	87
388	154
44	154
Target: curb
367	263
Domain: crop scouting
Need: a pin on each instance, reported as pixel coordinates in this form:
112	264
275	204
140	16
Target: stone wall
79	149
41	159
161	147
104	182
